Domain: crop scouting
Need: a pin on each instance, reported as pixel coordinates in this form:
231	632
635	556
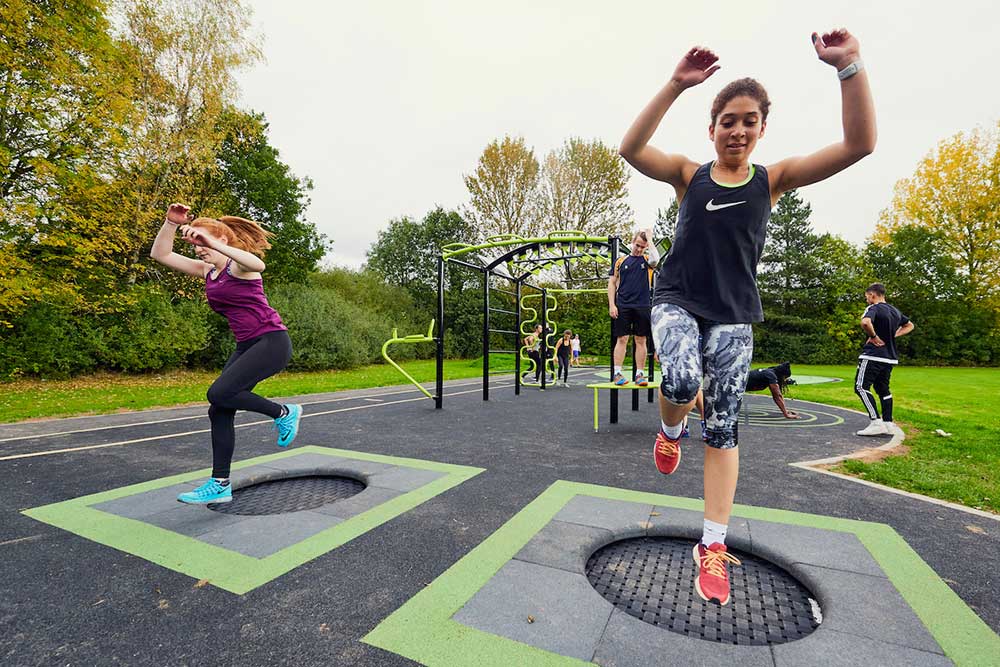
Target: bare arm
838	48
652	252
163	246
869	328
247	263
779	400
697	65
905	329
612	291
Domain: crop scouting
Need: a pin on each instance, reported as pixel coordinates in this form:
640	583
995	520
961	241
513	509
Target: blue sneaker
209	492
619	379
685	433
288	426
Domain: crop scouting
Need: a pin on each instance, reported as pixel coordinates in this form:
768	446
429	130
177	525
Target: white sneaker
877	427
892	429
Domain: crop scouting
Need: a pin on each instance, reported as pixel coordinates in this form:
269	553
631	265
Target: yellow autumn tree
955	192
503	189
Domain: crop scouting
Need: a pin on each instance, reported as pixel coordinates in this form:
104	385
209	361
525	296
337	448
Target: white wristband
850	70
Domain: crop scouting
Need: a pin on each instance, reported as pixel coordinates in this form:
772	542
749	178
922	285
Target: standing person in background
533	342
229	252
575	346
708	282
563	346
883	323
629	301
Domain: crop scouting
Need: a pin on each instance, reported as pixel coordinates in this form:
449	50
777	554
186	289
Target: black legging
536	356
563	358
253	361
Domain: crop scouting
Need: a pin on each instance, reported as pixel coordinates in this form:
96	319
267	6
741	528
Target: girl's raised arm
842	50
697	65
163	246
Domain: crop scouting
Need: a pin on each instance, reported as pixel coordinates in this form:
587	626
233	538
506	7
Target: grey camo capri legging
695	352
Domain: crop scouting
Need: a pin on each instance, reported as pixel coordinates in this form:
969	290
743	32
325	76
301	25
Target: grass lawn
963	468
111	392
965	402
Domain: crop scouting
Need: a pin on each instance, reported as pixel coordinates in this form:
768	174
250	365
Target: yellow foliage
955	192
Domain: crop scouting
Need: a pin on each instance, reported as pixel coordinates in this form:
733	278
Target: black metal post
613	395
517	345
439	385
545	334
486	335
652	367
635	367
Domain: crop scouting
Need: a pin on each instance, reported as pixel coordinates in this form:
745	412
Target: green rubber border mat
423	630
223	568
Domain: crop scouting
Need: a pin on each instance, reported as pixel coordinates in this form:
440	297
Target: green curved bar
413	338
554	238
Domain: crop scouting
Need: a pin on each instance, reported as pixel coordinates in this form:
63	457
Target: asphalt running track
68	600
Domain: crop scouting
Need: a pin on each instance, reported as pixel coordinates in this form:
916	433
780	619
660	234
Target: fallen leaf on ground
975	529
531	619
201	583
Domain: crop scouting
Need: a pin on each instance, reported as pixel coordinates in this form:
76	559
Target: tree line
109	111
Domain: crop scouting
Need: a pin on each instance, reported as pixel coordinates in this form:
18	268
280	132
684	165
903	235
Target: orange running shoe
712	581
666	453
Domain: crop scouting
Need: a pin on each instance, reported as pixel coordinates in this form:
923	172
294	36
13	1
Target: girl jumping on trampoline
707	284
229	252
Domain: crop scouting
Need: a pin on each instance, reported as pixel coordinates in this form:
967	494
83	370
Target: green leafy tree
789	268
65	88
254	183
187	53
923	281
406	253
666	223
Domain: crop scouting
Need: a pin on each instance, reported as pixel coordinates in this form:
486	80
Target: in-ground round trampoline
290	494
650	578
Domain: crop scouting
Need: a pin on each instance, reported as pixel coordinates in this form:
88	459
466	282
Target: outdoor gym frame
515	259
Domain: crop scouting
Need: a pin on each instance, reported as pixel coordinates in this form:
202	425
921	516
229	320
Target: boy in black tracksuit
883	323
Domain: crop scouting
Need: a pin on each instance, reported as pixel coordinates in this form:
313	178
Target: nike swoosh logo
715	207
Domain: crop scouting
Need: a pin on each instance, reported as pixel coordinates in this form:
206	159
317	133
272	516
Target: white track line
177	419
206	430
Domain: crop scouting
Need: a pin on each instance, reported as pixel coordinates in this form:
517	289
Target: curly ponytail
238	232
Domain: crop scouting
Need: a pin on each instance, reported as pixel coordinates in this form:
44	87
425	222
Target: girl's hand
196	236
178	214
697	65
837	47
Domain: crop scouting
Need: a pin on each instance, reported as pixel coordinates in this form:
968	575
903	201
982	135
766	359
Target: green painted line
223	568
423	630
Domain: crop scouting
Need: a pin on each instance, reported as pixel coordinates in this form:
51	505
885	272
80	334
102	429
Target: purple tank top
243	304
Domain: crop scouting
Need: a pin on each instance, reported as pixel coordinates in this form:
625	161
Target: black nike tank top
711	269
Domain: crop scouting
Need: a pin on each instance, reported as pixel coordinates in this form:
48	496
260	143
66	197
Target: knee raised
216	396
680	388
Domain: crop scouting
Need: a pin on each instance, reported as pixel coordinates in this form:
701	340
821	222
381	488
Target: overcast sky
386	104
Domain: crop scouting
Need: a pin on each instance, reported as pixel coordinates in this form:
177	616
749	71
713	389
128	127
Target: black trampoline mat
290	494
652	579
